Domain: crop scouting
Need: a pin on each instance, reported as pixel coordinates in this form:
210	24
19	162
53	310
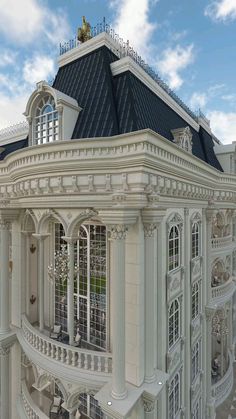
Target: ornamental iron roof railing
124	49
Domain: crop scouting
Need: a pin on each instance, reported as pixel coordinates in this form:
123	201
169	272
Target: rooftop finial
84	33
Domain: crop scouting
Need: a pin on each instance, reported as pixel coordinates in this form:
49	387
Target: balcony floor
227	410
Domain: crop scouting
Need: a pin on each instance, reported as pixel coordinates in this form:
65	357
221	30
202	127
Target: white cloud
38	68
26	21
132	23
11	109
7	57
198	100
221	10
173	61
223	125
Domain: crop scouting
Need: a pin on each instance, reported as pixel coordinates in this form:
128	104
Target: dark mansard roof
113	105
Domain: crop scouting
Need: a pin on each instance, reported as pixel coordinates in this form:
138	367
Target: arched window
174	397
195	240
46	121
195	300
174	323
174	248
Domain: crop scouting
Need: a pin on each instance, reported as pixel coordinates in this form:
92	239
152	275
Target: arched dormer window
174	323
46	121
174	248
51	115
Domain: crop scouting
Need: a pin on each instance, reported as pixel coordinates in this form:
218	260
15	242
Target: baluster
63	355
57	353
79	359
48	348
73	359
85	361
106	364
67	357
92	362
99	363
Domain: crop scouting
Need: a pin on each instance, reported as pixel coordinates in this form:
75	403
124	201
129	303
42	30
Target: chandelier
59	271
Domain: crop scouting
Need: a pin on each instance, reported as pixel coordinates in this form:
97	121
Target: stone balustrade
223	291
223	387
31	410
85	360
219	242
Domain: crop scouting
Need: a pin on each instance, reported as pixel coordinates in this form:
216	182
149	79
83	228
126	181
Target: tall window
195	360
195	300
89	407
195	240
197	410
174	323
174	248
90	286
174	397
46	121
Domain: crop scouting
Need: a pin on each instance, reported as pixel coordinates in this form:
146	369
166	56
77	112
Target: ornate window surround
175	224
67	108
174	394
183	138
196	236
174	318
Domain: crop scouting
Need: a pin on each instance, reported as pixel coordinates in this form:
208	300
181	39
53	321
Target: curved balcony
27	407
221	242
224	291
57	357
223	387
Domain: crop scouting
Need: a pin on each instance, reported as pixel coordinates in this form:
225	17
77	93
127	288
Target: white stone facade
161	342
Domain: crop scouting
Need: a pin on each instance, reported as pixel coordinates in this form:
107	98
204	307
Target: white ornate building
117	226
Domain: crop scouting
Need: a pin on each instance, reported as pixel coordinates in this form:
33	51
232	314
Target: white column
4	277
118	235
70	290
210	403
150	338
41	267
27	235
187	314
5	385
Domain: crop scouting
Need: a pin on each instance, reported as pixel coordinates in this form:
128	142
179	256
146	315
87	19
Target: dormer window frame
66	109
183	138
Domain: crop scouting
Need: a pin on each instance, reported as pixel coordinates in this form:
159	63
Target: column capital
119	216
70	240
4	350
118	231
209	212
148	405
149	229
4	225
40	237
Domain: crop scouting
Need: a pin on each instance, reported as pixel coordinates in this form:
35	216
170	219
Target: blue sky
190	43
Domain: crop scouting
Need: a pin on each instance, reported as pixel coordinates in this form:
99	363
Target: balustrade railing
223	290
218	242
32	411
222	388
99	362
